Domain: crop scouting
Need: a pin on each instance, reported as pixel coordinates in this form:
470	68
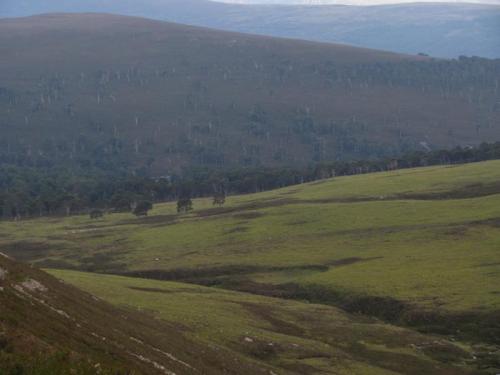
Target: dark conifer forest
29	191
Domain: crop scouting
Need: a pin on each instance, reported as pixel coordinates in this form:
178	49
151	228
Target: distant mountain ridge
437	29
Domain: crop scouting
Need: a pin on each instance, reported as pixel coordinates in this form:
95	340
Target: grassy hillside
91	89
417	247
50	328
438	222
292	337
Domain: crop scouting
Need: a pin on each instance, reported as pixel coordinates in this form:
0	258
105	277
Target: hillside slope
48	327
416	247
441	30
379	257
294	337
161	96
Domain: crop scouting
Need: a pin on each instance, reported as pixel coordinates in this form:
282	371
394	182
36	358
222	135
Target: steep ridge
161	96
46	325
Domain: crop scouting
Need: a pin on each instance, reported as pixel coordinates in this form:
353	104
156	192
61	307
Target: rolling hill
160	97
439	29
415	249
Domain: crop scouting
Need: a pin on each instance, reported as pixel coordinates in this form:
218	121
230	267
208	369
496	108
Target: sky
354	2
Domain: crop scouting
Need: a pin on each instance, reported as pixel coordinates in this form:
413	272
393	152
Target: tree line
34	191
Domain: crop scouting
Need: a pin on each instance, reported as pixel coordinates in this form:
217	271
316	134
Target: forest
198	127
184	112
180	97
53	190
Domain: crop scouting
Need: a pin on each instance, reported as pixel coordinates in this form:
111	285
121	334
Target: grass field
420	244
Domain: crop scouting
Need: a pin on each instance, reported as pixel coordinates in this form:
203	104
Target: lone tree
122	202
184	205
142	208
96	214
219	198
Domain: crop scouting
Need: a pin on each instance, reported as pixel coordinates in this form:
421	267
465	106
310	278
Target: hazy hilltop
162	96
438	29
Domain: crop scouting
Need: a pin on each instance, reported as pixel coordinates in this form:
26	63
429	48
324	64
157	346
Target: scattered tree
219	198
96	214
184	205
142	208
121	202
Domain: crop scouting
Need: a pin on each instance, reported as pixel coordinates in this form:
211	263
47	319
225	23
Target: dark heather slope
48	327
162	96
